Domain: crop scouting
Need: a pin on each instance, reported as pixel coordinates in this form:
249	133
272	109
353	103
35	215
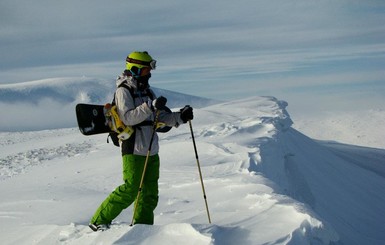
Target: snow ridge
263	127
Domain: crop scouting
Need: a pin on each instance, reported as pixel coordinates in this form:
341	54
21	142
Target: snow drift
266	183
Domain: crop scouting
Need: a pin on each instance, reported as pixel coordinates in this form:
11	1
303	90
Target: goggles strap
151	64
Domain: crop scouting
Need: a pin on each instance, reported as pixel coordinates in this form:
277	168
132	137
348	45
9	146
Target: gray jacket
133	111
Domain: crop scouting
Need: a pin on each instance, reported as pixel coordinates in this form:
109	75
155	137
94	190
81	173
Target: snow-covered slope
50	103
350	126
266	183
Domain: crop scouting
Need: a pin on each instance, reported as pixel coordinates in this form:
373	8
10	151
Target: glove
159	103
186	113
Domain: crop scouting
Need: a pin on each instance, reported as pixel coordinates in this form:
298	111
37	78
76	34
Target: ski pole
145	166
200	172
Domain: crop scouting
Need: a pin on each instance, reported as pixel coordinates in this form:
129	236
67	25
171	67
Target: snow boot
98	227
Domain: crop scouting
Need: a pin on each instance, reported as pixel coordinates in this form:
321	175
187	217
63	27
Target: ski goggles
140	72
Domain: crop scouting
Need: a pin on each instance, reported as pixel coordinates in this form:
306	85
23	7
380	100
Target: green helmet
140	60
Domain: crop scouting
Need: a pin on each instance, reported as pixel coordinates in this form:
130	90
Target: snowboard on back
91	119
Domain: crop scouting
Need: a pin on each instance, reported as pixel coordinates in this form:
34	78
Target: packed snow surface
266	183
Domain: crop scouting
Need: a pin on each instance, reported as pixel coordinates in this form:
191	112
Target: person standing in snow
137	106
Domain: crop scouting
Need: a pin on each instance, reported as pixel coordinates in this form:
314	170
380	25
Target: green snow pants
124	195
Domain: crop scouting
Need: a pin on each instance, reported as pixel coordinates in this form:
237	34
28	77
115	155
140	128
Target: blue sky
305	50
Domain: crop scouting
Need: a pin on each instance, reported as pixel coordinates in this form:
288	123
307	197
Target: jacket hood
130	81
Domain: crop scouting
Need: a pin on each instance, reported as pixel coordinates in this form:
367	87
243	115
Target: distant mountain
177	100
63	90
50	103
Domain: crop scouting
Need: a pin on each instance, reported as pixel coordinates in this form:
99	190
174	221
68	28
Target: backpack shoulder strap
134	95
124	85
148	92
130	89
